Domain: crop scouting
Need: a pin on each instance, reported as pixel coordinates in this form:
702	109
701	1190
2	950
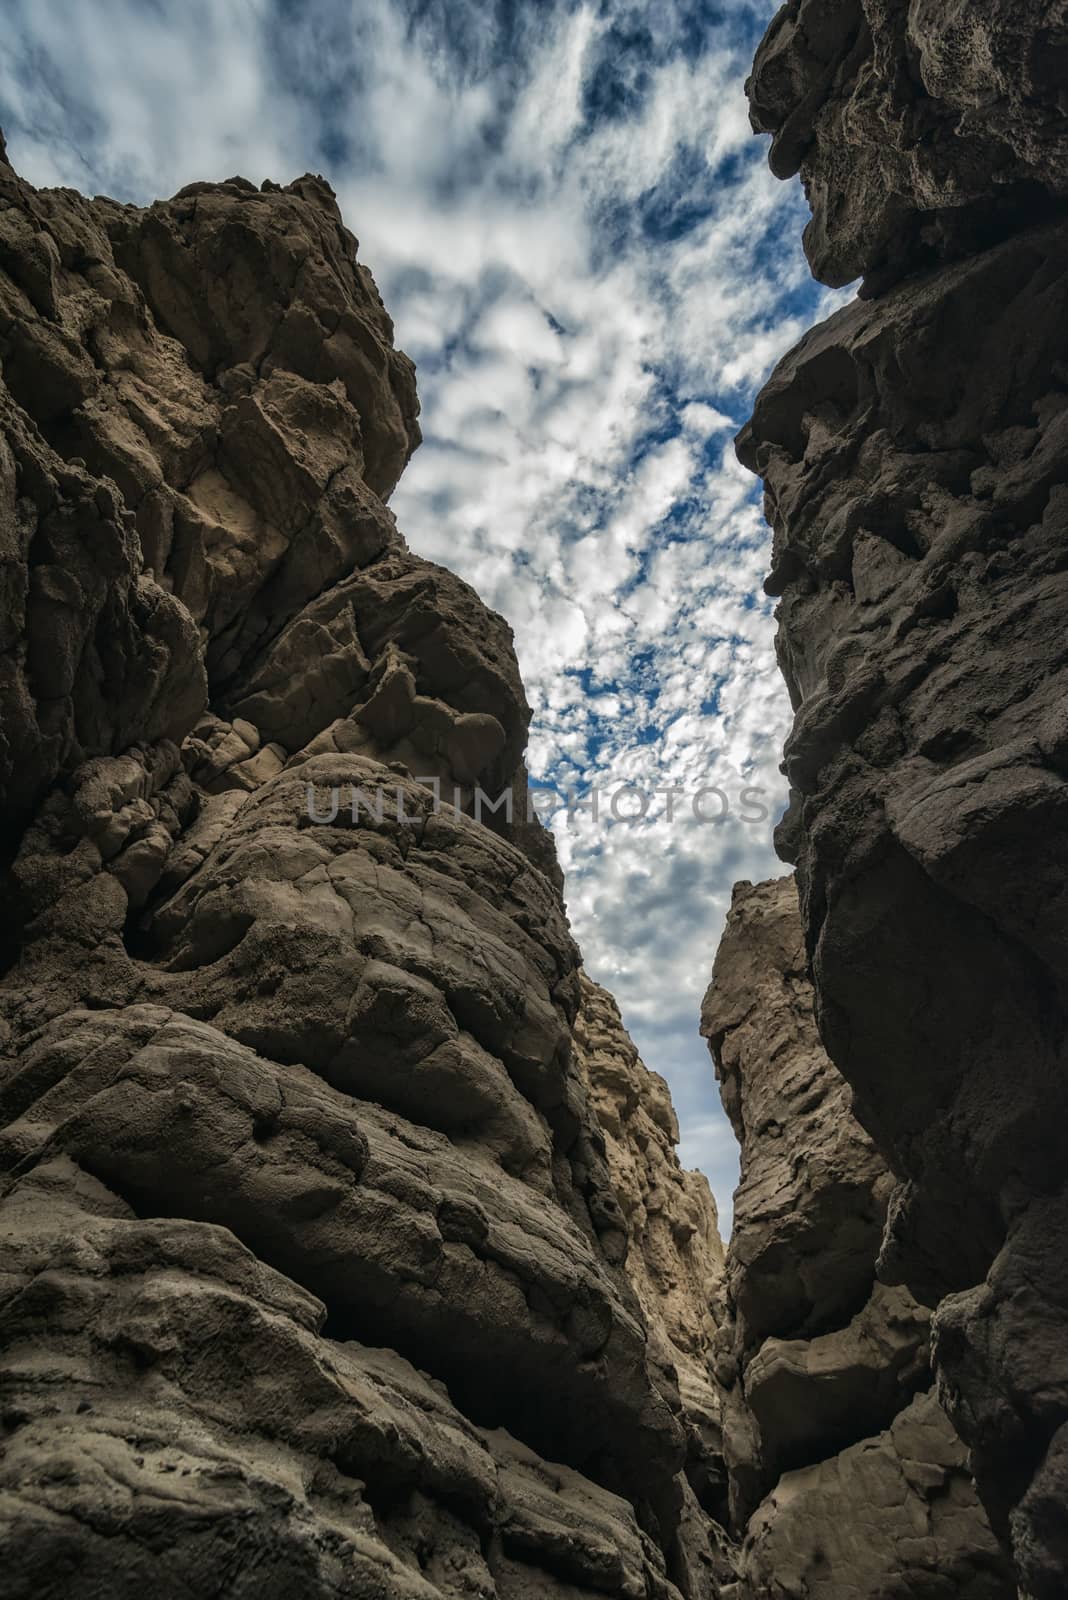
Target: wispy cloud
583	250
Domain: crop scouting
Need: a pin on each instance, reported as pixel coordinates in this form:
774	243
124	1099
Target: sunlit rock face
846	1478
675	1257
313	1269
915	455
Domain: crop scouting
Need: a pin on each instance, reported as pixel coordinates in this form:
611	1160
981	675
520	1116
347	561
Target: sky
582	249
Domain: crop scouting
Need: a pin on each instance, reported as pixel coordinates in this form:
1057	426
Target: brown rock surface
311	1267
204	412
895	1515
915	455
922	129
675	1253
343	1246
174	1416
846	1479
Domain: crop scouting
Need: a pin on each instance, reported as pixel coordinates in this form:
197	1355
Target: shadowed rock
921	131
845	1476
914	451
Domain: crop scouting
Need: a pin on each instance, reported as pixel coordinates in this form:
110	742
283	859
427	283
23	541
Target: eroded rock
845	1476
914	450
894	1515
173	1411
921	131
311	1266
675	1254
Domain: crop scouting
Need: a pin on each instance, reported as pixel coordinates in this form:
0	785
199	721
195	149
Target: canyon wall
847	1481
313	1272
344	1250
675	1259
914	451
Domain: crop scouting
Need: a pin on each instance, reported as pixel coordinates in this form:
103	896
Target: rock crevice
344	1247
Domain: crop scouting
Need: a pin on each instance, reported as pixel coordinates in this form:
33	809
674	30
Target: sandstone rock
811	1199
289	1108
914	451
317	950
812	1396
213	382
675	1254
927	755
921	130
895	1515
174	1414
343	1247
845	1476
94	655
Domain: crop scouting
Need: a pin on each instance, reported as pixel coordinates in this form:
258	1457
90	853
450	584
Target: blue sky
581	247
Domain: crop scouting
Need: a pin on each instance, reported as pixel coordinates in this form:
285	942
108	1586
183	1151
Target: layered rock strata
675	1259
846	1478
915	454
312	1273
343	1247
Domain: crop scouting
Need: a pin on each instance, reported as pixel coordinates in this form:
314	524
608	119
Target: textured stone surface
203	412
675	1254
846	1479
174	1418
343	1248
809	1396
895	1515
809	1208
915	455
311	1266
922	129
920	534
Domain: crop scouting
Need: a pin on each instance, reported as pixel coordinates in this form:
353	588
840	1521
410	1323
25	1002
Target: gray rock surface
915	455
847	1481
311	1266
922	129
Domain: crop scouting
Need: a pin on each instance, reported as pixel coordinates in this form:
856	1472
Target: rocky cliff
846	1478
313	1272
914	451
675	1257
344	1250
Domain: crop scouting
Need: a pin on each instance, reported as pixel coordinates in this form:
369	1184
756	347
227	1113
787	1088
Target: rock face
312	1273
922	131
846	1479
915	455
675	1259
344	1250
